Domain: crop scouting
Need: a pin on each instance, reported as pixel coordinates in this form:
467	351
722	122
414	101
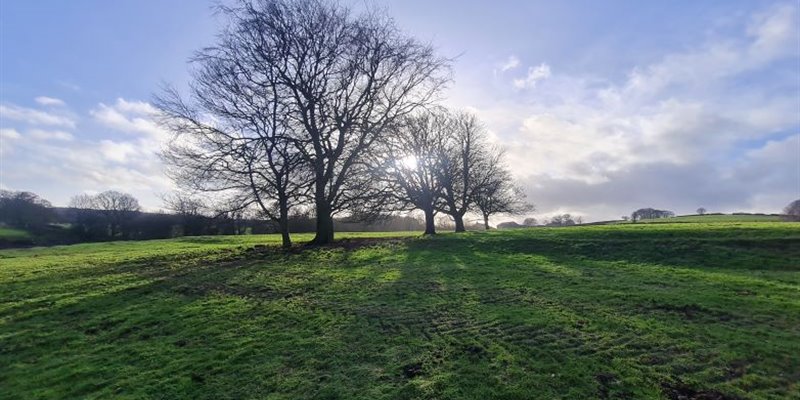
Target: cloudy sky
603	106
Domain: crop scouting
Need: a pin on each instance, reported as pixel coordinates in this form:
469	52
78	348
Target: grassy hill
699	310
716	218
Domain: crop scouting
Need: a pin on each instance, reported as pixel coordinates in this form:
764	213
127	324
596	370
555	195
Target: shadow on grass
473	317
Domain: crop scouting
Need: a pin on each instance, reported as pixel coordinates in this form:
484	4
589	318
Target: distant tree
561	220
498	194
579	220
625	217
701	211
650	213
24	210
509	225
117	209
530	221
792	210
190	212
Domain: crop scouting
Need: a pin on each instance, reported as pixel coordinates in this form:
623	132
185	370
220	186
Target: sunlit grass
624	311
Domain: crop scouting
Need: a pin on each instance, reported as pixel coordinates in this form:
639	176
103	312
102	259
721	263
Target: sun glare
408	162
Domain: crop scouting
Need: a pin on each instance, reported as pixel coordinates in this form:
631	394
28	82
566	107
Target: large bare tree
234	137
466	168
416	149
345	78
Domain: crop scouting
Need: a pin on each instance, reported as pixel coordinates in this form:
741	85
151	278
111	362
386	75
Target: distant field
10	237
13	234
689	310
716	218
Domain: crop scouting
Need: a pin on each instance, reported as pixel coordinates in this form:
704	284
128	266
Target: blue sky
602	106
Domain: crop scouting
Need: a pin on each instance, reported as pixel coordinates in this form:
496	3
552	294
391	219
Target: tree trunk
459	223
430	224
324	234
486	221
286	240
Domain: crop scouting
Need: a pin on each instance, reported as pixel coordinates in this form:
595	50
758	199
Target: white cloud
117	151
49	101
511	63
535	74
35	117
129	116
41	134
674	134
9	133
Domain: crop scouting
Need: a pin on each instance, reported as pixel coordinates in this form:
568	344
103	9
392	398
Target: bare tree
530	221
701	211
235	140
414	152
190	211
498	194
117	209
561	220
345	79
466	168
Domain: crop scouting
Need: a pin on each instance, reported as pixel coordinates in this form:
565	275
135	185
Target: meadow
664	311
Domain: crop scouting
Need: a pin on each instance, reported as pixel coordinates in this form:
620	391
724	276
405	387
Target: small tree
530	221
499	194
701	211
792	211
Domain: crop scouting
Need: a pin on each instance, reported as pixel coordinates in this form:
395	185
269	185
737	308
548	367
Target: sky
602	107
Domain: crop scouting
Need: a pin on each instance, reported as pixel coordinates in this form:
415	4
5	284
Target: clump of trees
792	211
107	214
564	220
306	105
650	213
442	163
25	210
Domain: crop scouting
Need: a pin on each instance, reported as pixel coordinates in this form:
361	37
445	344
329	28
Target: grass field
696	310
716	218
10	236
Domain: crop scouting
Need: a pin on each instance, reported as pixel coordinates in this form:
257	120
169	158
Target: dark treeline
113	215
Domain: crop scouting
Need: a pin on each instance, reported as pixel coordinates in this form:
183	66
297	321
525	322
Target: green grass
716	218
617	311
13	234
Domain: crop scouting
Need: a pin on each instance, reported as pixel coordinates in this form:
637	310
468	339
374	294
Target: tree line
307	105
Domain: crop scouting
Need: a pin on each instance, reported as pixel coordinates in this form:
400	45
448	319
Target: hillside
699	310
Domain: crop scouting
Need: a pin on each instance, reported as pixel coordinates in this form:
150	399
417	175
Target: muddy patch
681	391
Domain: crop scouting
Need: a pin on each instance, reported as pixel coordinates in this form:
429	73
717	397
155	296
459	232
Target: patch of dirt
681	391
475	351
605	380
412	370
736	369
350	244
690	311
